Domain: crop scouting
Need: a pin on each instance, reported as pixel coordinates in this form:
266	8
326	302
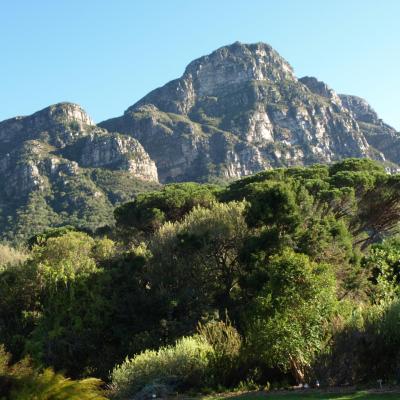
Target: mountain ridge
232	113
244	103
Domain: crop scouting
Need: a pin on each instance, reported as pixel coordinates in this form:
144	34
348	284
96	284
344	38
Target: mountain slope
378	134
240	110
57	168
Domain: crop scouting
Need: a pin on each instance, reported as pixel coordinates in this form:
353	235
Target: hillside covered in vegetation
287	276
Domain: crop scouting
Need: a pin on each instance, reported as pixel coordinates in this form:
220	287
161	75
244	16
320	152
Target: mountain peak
240	52
65	112
56	124
220	72
239	110
235	64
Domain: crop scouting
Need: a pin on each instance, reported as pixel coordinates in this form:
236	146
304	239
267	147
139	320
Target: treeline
290	275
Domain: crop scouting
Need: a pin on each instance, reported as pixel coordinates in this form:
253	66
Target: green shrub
222	336
185	364
49	385
226	343
21	381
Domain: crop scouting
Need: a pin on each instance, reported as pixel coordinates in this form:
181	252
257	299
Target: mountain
57	167
240	110
234	112
379	135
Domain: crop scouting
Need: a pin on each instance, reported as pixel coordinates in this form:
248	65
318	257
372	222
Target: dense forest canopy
291	274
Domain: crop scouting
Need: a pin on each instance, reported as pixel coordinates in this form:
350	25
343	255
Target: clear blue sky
107	54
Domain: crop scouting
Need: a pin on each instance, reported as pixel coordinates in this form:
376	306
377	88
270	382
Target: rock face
322	89
240	110
100	149
57	125
63	134
379	135
360	109
56	157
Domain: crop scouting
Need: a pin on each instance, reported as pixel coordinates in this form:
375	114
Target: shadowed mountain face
240	110
379	135
234	112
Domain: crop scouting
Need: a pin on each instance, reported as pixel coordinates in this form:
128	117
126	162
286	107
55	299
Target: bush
184	364
364	347
390	325
10	256
49	385
223	337
226	343
21	381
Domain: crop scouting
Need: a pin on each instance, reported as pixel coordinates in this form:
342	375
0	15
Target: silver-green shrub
185	363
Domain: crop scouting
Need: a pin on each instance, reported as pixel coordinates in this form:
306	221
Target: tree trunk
297	371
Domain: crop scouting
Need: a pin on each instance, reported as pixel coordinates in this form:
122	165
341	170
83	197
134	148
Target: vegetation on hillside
85	200
287	276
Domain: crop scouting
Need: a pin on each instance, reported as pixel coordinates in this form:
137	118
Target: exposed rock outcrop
381	136
57	125
100	149
65	130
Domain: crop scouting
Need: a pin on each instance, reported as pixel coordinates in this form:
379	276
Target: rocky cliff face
379	135
58	153
34	148
100	149
57	125
240	110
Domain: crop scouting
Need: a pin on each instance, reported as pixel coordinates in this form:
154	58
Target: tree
73	311
19	306
276	204
195	262
150	210
382	266
290	317
379	211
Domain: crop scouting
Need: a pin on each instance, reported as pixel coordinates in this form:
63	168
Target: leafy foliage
21	381
150	210
185	363
227	345
49	385
291	316
302	264
207	284
11	256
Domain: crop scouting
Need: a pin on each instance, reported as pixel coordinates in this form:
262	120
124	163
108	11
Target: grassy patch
359	395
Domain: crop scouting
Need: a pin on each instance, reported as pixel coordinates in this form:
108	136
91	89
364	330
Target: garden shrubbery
182	365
